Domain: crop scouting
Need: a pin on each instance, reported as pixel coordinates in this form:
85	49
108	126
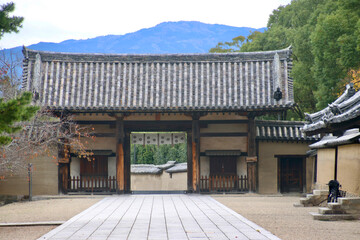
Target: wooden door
223	166
95	168
291	174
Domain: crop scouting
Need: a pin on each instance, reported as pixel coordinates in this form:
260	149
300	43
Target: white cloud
55	21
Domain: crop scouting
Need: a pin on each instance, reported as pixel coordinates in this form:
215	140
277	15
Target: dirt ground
274	213
278	215
39	211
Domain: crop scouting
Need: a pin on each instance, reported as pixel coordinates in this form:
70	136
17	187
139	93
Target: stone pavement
181	216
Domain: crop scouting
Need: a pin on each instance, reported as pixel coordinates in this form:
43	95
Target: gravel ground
40	211
278	215
274	213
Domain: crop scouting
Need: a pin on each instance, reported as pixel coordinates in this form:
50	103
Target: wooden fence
224	184
92	184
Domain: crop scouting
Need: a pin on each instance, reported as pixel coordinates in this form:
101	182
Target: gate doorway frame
280	158
123	158
158	144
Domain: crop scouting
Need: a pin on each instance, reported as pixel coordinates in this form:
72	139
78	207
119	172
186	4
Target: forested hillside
325	36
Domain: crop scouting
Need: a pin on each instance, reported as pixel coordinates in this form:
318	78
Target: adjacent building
338	153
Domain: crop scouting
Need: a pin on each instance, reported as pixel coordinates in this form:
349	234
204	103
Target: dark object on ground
334	191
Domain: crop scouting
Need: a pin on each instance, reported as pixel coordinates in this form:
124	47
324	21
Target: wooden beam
120	158
251	137
194	167
224	134
252	158
196	152
336	163
189	163
120	167
127	163
63	159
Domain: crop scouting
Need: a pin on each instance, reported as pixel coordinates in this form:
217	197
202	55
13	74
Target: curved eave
276	108
287	139
183	57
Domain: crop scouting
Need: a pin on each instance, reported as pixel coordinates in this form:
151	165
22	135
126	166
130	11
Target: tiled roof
349	136
145	169
343	109
169	167
179	167
282	131
167	82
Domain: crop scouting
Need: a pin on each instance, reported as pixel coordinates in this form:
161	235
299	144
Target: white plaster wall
112	166
75	167
159	182
241	166
204	166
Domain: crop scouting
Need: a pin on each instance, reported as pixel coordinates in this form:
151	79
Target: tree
39	137
152	154
10	74
13	111
233	46
9	24
325	36
27	132
17	109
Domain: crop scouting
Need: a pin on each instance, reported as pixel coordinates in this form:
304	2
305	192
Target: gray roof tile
343	109
349	136
282	131
155	82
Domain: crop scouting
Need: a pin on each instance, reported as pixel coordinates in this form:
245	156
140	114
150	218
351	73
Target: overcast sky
59	20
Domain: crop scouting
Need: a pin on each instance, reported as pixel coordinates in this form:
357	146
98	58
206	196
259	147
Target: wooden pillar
336	163
195	153
251	159
63	161
189	163
120	156
127	163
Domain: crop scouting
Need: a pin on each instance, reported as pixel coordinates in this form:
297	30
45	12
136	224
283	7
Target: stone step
326	210
320	192
334	217
309	195
334	205
304	200
353	201
298	205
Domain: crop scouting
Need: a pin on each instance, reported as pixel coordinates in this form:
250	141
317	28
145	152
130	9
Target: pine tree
9	24
17	109
13	111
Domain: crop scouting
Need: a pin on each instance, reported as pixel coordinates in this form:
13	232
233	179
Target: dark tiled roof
282	131
343	109
168	82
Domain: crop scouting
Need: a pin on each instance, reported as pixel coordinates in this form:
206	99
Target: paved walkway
158	217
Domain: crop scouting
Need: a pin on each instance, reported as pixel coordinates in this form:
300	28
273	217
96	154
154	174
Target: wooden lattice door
223	166
98	167
291	174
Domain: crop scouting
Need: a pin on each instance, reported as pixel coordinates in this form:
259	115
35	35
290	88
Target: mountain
166	37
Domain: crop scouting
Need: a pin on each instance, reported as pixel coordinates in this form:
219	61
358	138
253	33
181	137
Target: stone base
334	217
344	209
